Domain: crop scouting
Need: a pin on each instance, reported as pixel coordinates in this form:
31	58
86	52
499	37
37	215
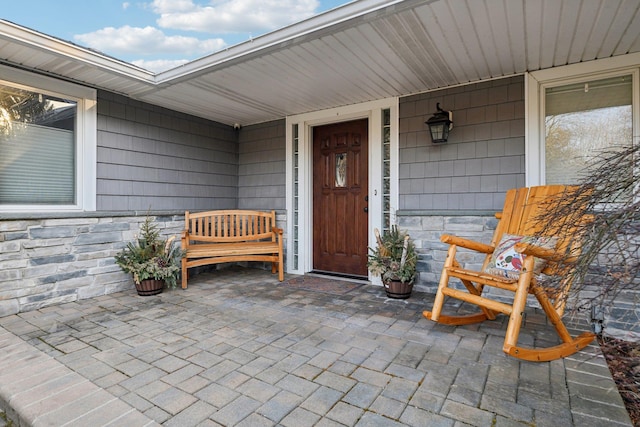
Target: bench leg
184	273
277	266
280	266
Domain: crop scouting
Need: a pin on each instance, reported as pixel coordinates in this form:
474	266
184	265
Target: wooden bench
215	237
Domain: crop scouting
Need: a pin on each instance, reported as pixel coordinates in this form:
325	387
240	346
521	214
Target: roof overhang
363	51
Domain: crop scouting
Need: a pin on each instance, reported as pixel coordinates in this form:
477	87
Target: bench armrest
277	230
184	239
466	243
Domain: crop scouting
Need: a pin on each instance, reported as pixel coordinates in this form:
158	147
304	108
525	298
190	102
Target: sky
160	34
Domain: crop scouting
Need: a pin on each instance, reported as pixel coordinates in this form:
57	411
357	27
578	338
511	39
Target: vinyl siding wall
483	158
151	158
262	158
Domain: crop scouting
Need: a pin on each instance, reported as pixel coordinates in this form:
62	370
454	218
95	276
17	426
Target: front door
340	183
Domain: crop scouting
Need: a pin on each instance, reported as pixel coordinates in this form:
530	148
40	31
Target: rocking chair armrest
538	252
466	243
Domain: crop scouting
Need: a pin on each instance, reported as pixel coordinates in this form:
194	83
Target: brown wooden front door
340	183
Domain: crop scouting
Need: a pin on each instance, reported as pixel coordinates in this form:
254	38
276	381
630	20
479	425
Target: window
38	148
48	144
575	112
582	120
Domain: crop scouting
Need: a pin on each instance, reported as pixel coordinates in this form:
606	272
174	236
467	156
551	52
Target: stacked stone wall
425	230
50	261
47	261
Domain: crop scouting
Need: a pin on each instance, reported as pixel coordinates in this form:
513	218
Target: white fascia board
43	42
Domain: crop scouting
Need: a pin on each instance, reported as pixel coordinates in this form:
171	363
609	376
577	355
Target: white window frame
373	112
538	81
86	136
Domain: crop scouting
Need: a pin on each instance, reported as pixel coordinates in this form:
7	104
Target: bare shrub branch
608	265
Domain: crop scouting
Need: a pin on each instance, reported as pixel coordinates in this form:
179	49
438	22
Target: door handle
366	209
366	198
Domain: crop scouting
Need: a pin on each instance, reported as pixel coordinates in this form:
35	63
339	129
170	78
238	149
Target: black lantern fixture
440	124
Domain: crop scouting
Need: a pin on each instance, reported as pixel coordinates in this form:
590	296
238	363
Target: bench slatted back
230	225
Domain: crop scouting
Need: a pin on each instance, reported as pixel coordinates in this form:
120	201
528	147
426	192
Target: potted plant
153	261
394	260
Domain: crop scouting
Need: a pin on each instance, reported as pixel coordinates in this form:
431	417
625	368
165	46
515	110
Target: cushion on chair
506	262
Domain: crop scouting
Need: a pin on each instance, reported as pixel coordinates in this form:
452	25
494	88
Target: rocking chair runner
520	217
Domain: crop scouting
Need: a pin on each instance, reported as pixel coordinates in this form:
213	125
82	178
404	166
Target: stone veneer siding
45	261
426	231
53	260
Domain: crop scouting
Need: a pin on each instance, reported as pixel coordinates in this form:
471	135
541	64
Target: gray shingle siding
154	158
262	158
483	158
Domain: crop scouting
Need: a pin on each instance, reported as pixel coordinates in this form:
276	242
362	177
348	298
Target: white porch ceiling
363	51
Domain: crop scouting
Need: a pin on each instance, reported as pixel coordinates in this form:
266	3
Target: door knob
366	209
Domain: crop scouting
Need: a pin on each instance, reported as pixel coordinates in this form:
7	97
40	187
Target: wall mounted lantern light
440	124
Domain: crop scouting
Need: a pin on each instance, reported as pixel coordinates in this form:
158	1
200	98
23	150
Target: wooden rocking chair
522	208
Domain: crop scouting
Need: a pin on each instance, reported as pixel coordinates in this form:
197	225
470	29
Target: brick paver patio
238	348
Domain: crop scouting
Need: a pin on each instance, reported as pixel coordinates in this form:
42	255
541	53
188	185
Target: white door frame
305	123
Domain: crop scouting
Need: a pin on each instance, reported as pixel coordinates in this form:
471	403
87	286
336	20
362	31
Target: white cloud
147	41
251	17
159	65
172	6
232	16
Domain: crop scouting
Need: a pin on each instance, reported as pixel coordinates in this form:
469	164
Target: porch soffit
363	51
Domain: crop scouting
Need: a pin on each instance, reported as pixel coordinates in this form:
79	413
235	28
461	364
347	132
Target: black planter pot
397	289
150	287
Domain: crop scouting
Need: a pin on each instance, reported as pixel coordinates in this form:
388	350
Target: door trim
305	122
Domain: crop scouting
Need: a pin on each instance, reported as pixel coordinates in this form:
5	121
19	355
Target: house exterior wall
155	159
151	158
456	187
483	158
262	170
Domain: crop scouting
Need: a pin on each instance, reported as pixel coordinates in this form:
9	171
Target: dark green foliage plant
394	258
150	256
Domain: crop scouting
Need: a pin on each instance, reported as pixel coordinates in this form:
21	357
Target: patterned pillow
506	262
